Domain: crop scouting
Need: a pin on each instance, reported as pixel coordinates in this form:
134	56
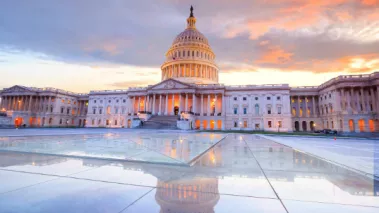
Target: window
99	121
74	102
244	98
256	109
93	121
94	111
269	123
278	98
330	95
269	110
117	101
124	101
235	124
94	101
62	110
235	111
60	121
101	101
245	111
279	110
268	98
107	122
51	108
62	101
109	101
256	98
108	110
100	111
244	124
235	98
68	111
279	124
69	102
115	122
116	110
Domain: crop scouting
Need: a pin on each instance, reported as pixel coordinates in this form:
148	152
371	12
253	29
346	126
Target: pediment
170	84
17	89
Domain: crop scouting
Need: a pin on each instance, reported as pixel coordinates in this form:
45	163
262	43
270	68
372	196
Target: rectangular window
245	111
269	110
268	98
68	111
278	98
51	108
235	124
116	110
62	110
94	111
279	124
256	98
269	123
235	111
279	110
244	98
235	98
100	111
244	124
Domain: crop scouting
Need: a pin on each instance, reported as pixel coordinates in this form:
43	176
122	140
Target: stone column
216	111
180	103
362	100
298	106
166	105
194	103
139	104
153	104
368	106
202	106
133	104
209	105
160	104
173	104
377	99
186	106
373	100
30	103
306	106
223	106
313	106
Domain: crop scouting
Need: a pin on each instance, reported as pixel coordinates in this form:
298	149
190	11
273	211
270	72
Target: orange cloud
275	55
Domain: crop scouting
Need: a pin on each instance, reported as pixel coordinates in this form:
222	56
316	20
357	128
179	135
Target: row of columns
312	113
26	103
189	70
363	96
149	103
39	104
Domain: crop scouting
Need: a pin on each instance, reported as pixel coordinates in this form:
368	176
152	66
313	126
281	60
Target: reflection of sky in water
160	147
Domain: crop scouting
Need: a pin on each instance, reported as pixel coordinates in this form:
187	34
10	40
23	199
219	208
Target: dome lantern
191	20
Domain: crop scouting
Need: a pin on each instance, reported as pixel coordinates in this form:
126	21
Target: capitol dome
190	59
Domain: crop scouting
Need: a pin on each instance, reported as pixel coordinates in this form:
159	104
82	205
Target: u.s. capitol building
190	97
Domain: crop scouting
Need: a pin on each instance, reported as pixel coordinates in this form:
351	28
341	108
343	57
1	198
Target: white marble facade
190	89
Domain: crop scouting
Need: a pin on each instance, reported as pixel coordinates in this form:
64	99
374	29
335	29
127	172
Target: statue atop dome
191	15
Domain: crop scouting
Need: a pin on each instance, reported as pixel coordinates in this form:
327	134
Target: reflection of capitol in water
184	195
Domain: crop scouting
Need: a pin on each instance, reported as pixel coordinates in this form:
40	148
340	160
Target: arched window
189	53
193	53
256	109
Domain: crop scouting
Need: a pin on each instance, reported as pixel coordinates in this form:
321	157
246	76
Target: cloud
245	35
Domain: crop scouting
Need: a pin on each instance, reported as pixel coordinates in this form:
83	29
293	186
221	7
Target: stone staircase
160	122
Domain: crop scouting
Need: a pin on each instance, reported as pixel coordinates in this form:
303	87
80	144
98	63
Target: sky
96	45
